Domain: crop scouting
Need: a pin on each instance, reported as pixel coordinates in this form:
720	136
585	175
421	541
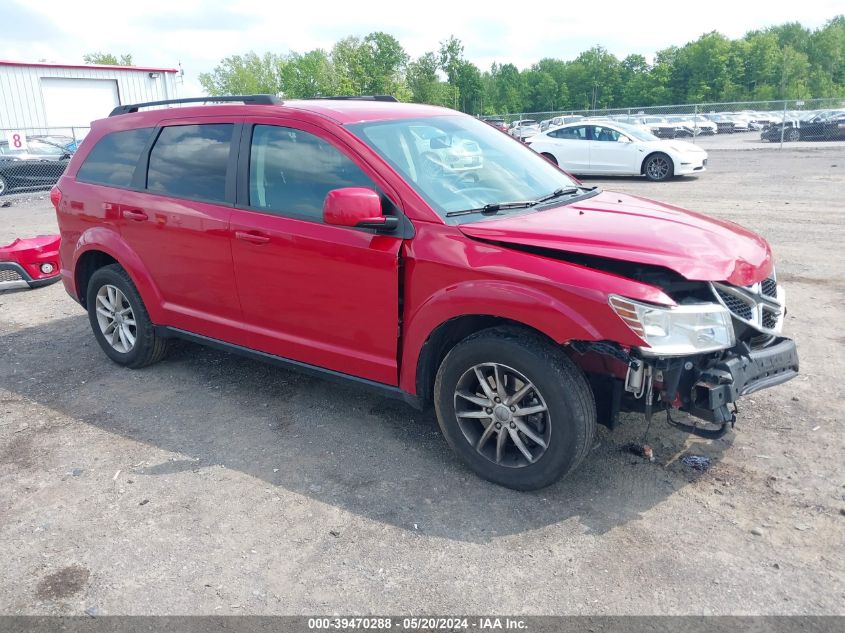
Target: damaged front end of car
718	343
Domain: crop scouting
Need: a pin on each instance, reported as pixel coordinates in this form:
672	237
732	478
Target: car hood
630	228
676	145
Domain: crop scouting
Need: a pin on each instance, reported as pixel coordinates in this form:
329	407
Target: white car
610	148
524	128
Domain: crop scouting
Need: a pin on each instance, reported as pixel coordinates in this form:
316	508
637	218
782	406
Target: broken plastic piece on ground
696	462
641	450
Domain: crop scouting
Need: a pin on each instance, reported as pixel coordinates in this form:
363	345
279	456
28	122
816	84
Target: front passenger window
291	172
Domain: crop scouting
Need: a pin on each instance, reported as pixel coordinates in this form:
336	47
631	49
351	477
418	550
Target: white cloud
199	34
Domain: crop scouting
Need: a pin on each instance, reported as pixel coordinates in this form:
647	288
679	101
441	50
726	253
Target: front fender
559	320
110	242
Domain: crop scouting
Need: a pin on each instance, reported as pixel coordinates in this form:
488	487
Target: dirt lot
212	484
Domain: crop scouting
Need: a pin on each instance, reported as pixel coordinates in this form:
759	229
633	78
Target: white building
36	96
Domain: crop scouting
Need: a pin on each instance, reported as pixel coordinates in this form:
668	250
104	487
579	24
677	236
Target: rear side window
189	161
113	159
572	133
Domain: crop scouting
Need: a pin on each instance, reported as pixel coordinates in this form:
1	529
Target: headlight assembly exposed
677	330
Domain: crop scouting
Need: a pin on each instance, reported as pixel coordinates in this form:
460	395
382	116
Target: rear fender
111	243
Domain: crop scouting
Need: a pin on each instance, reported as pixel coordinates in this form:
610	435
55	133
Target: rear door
571	148
323	295
176	218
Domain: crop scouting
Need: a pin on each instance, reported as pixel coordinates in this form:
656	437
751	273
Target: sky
198	34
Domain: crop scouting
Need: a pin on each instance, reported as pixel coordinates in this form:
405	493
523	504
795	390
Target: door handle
253	237
134	214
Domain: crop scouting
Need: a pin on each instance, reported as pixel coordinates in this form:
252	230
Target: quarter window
291	171
190	161
113	159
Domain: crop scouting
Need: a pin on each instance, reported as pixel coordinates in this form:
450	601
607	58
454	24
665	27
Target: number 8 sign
16	140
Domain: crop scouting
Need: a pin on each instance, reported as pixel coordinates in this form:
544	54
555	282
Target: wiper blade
519	204
557	193
494	207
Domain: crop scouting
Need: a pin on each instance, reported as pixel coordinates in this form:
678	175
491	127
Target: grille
9	275
770	319
770	287
736	305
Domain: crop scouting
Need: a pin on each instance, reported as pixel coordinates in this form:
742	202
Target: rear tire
527	374
658	167
120	320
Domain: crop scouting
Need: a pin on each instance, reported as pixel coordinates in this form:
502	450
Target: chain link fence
729	125
33	159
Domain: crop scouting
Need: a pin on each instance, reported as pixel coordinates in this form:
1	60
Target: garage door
77	102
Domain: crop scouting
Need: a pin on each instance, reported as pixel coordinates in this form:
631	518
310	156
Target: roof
350	111
88	66
341	111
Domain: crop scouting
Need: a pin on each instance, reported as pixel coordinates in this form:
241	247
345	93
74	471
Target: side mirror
357	207
624	139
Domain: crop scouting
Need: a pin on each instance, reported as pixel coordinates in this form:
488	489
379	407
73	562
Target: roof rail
390	98
246	99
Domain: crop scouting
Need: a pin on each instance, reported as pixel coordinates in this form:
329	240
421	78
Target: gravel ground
209	484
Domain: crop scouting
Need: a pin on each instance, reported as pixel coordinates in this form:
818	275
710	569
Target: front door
611	152
323	295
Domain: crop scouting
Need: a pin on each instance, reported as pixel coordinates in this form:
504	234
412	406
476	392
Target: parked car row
797	125
827	125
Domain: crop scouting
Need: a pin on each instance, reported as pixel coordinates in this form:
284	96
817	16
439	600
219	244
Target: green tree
108	59
593	79
308	75
382	63
245	74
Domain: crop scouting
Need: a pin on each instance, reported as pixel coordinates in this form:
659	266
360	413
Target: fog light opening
47	268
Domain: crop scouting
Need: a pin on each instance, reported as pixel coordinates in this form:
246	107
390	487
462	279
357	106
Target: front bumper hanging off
738	374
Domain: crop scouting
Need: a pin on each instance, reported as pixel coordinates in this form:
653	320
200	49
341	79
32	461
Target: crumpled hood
630	228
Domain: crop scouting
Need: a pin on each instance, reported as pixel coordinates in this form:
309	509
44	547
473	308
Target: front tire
514	408
793	136
658	167
4	185
120	320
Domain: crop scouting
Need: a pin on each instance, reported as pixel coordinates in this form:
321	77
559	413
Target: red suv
422	254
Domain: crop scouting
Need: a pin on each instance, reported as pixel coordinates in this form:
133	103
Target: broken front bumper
739	374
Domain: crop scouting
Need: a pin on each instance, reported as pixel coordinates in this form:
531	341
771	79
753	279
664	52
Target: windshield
636	133
462	163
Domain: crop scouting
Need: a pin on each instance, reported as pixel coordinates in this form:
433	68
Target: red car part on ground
30	262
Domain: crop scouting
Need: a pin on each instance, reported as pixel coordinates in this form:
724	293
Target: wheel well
645	160
87	265
444	338
549	157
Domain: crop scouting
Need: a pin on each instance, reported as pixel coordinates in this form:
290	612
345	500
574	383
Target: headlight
677	330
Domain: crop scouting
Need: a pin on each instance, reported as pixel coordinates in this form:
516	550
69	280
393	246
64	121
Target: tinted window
572	133
290	172
113	159
189	161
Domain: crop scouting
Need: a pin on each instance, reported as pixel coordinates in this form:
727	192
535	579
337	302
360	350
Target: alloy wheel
116	319
658	168
502	415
